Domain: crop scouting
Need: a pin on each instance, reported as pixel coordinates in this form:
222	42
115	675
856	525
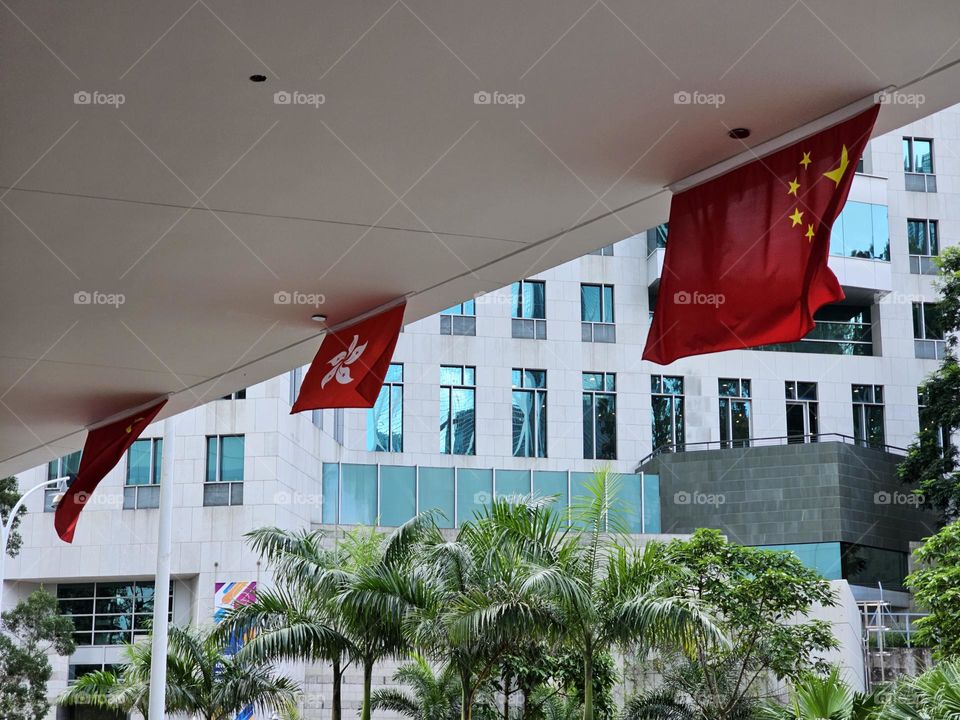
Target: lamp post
6	528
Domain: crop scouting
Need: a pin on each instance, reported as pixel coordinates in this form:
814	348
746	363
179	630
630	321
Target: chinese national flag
746	258
101	452
349	367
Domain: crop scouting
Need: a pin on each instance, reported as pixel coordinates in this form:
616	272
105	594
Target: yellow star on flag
794	186
810	233
838	172
797	217
806	160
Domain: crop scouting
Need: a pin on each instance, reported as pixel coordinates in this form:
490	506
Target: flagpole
161	589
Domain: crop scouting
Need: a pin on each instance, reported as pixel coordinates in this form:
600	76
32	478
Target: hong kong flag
746	258
101	452
349	367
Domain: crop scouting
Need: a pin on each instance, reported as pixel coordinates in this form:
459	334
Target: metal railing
768	441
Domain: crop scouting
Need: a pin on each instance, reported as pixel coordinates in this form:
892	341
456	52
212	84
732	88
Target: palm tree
815	696
603	593
297	618
433	695
201	680
447	577
934	695
305	617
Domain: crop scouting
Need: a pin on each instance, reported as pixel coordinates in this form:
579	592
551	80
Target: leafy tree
201	680
929	467
756	596
936	588
815	696
432	695
31	630
9	495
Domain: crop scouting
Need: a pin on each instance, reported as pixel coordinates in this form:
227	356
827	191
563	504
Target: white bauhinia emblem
341	362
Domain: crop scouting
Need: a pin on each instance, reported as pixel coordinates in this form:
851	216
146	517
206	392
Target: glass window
529	299
667	411
512	483
436	493
917	155
143	474
460	319
606	250
529	309
224	465
529	413
599	416
840	330
657	238
861	230
868	415
385	418
64	466
358	494
457	410
474	492
331	493
112	613
923	237
398	494
802	411
927	324
238	395
296	378
551	483
735	412
596	303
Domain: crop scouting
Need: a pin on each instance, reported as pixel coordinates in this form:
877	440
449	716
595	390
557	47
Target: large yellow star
838	172
794	186
806	160
797	217
810	233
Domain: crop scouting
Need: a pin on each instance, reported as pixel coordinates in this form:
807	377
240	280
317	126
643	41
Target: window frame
677	429
88	638
608	390
540	418
234	487
389	386
861	410
608	328
523	327
809	407
910	140
460	319
140	496
449	387
743	396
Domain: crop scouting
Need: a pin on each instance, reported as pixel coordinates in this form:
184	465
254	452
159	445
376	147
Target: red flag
746	258
349	367
101	452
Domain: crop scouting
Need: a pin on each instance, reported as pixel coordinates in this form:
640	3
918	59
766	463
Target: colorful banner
226	596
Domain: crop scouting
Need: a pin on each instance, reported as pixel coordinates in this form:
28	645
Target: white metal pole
161	588
6	528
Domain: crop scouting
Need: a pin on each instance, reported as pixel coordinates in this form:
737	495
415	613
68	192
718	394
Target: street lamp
6	528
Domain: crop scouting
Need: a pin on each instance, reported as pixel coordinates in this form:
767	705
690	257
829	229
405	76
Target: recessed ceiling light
318	318
739	133
258	78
